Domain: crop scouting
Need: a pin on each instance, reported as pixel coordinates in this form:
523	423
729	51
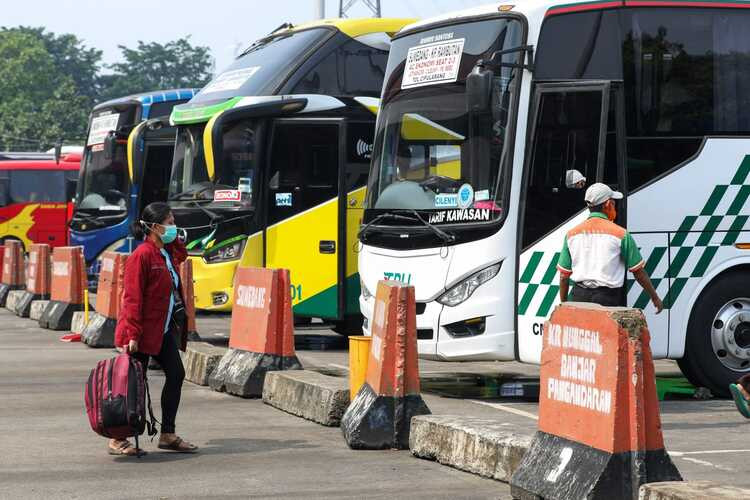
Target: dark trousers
174	374
604	296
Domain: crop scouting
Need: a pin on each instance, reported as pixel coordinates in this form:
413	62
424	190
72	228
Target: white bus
484	115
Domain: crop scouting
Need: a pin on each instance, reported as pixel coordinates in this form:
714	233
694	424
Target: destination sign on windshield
433	63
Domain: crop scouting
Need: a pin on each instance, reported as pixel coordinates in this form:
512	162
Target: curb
308	394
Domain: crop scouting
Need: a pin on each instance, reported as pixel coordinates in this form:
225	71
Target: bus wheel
351	325
717	348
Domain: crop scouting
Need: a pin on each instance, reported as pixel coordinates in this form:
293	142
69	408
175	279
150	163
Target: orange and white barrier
599	427
38	278
262	332
67	290
13	270
100	329
379	416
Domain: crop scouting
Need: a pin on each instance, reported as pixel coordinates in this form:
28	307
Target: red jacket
145	299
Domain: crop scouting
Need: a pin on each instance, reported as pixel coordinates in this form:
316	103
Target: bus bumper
495	344
213	284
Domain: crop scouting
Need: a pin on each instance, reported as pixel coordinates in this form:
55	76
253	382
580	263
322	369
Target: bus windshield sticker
466	215
283	199
231	80
227	195
433	64
482	195
465	196
446	200
101	126
245	185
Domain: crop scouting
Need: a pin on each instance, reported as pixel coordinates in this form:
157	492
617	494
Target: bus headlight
463	289
226	253
365	292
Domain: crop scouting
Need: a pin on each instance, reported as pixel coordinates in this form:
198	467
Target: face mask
170	233
610	211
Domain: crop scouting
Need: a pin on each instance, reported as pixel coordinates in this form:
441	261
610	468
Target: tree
39	104
155	66
70	57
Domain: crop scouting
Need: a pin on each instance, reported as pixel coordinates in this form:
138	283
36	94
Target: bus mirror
478	89
110	145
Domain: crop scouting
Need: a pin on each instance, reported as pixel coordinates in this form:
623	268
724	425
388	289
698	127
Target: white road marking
705	452
342	367
506	408
708	464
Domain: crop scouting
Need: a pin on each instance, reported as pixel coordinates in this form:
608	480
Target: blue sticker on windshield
283	199
465	196
446	200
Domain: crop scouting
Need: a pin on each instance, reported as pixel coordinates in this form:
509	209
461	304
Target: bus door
302	232
150	161
576	138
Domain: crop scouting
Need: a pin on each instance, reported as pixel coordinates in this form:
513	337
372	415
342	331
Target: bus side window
565	152
36	186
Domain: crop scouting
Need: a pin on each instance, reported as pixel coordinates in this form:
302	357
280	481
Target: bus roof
147	98
354	27
71	161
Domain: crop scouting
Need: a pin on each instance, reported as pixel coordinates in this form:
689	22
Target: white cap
573	177
598	193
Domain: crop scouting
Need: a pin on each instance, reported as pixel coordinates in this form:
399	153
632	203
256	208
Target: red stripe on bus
583	7
643	3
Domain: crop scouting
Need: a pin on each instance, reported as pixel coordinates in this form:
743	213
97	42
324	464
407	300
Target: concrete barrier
68	283
78	323
599	427
380	414
478	445
691	490
200	360
37	309
13	299
38	279
12	270
100	330
308	394
262	333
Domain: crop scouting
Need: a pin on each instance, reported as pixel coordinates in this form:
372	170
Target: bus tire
351	325
717	345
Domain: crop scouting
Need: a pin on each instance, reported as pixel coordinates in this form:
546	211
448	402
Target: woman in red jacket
152	316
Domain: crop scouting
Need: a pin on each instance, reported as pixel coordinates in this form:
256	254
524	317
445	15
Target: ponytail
154	213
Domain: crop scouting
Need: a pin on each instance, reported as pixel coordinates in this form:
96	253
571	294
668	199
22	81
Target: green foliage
150	66
50	82
38	102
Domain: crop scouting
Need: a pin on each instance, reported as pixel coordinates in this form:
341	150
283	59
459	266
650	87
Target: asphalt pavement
250	450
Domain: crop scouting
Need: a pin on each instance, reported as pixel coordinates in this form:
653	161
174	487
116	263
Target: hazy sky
222	25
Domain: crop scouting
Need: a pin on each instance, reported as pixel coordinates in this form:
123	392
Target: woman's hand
132	347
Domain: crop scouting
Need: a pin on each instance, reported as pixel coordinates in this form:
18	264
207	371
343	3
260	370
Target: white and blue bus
484	115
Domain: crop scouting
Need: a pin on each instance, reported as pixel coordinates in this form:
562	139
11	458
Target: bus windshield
263	67
431	153
235	177
104	183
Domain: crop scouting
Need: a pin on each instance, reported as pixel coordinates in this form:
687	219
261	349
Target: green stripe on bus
528	273
642	300
734	230
703	262
523	306
739	201
549	299
654	259
682	232
629	284
674	292
741	175
676	265
549	275
708	232
714	199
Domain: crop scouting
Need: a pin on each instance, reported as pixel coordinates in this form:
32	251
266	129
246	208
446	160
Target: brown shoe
179	445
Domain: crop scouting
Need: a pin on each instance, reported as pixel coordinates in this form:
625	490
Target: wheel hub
730	335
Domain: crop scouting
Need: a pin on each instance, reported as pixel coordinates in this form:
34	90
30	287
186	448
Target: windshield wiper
88	218
190	195
445	237
214	217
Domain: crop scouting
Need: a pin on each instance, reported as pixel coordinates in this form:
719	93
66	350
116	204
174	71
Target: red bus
36	197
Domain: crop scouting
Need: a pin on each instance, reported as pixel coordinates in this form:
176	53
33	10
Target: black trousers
174	374
604	296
